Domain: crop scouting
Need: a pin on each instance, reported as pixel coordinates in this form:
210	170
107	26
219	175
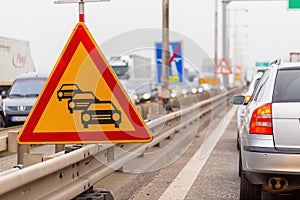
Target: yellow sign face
83	101
212	81
237	76
173	79
72	109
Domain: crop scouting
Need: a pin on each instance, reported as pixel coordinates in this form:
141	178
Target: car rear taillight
261	120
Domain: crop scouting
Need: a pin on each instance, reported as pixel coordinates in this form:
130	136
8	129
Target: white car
241	108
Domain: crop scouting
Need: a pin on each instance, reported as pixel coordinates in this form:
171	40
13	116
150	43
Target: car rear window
287	86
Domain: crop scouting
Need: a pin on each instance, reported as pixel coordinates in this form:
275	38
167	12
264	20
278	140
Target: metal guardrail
68	175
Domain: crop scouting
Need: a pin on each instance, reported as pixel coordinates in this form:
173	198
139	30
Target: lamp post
216	33
235	36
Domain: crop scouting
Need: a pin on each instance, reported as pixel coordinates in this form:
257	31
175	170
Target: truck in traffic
15	59
131	67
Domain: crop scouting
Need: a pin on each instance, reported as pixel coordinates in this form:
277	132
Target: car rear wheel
249	190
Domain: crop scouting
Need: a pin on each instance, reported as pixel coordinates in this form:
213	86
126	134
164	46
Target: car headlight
86	117
194	90
60	94
183	91
72	104
116	116
146	96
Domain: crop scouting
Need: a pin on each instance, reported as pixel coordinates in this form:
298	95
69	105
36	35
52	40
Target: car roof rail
276	62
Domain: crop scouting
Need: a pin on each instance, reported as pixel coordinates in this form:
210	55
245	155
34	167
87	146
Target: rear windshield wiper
16	95
31	95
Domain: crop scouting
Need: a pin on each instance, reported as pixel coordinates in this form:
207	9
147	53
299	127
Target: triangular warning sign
239	68
223	67
83	101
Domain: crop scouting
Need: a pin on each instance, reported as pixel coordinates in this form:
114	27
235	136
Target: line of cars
93	110
269	133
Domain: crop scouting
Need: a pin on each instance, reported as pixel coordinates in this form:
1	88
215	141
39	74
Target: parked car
241	108
21	96
270	139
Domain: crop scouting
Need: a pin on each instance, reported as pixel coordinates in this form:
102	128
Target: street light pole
165	56
224	38
216	33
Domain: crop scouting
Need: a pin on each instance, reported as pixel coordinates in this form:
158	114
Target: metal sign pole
81	11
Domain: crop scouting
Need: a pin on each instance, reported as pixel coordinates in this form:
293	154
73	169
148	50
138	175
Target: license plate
18	118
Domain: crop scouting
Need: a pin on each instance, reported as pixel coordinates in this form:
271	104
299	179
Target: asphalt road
217	179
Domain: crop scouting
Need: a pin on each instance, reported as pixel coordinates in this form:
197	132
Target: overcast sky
272	31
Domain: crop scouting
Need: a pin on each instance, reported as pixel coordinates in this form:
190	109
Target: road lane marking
187	176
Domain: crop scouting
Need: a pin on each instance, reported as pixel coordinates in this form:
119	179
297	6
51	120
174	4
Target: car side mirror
3	94
237	100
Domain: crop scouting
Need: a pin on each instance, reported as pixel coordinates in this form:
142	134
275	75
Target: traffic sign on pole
223	67
262	64
175	62
83	101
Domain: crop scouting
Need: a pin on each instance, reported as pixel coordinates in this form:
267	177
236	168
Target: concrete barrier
3	143
31	159
12	141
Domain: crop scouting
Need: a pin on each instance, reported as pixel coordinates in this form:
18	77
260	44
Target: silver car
270	141
241	108
21	97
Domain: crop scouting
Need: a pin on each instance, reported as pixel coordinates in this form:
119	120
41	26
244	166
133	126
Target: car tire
249	191
2	122
237	141
240	165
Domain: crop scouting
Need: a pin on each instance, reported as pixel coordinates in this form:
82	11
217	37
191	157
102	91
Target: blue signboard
175	62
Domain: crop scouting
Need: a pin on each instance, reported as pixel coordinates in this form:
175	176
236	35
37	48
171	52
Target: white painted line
185	179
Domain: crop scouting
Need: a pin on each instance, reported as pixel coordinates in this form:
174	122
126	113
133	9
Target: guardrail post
31	159
153	112
3	143
110	154
22	149
59	148
12	141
